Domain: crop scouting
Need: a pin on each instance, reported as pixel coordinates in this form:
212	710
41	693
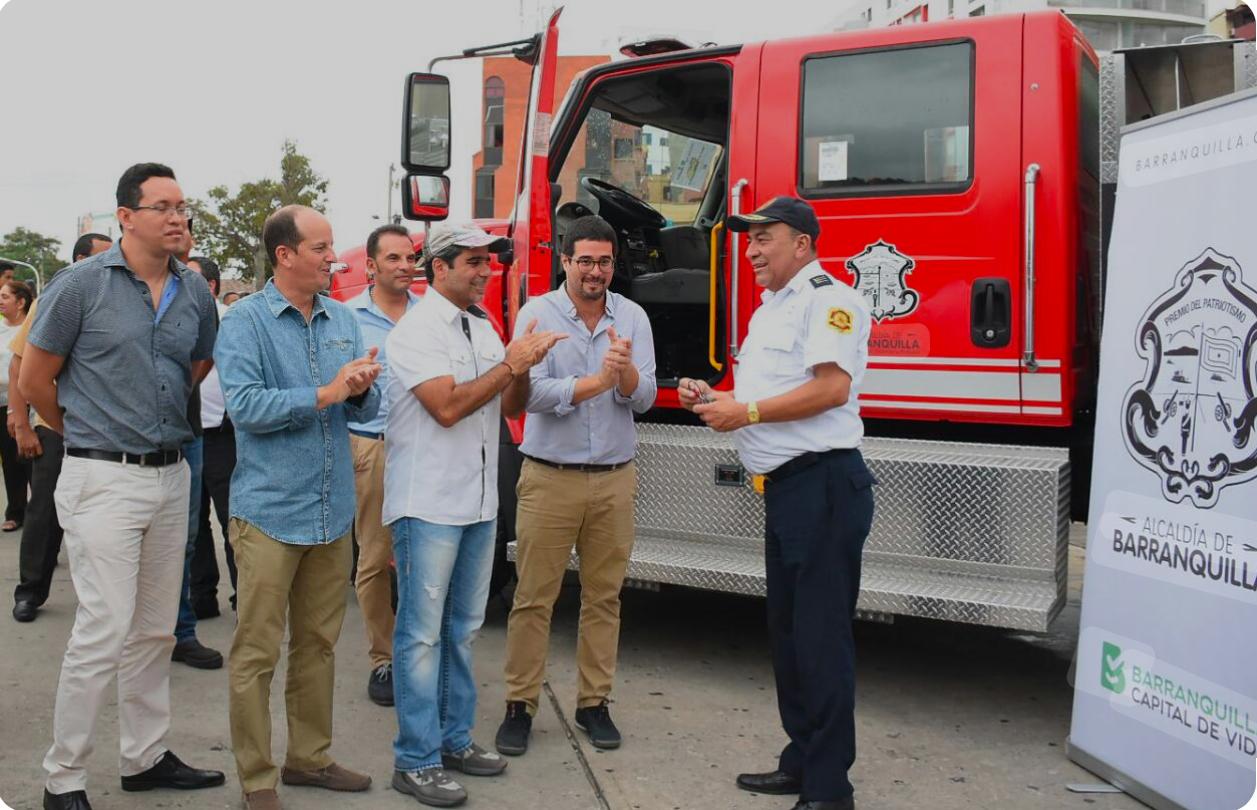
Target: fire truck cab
955	168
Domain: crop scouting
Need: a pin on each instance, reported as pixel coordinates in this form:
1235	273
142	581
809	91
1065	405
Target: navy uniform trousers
816	522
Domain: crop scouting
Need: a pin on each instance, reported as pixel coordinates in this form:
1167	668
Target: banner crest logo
1190	419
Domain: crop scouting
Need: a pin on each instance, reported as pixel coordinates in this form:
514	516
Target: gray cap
444	235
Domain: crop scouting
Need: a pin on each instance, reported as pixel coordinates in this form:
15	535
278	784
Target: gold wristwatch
752	412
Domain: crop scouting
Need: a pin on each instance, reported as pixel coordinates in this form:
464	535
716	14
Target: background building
105	222
1231	20
1107	24
504	107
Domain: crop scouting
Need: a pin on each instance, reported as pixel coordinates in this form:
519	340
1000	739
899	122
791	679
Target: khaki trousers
375	548
559	509
304	587
126	532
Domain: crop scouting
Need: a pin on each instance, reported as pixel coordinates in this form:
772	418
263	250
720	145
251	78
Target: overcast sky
214	88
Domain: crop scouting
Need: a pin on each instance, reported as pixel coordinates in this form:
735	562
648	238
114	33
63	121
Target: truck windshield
665	169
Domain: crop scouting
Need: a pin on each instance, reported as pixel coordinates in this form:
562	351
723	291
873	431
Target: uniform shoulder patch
823	280
840	319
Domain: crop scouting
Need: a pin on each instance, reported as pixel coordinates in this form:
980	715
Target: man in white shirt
451	379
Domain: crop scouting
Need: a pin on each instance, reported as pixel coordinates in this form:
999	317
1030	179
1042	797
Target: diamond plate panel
1246	66
962	532
1112	113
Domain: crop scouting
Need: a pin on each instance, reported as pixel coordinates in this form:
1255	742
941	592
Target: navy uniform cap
791	210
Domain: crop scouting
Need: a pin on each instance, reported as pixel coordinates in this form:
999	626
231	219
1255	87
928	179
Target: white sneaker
431	786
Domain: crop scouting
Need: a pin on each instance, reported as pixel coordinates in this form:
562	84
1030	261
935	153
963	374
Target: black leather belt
798	464
162	458
364	434
580	467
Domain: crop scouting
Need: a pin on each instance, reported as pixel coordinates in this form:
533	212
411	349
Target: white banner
1165	700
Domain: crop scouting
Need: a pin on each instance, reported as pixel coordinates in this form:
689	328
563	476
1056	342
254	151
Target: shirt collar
795	285
445	309
365	300
569	306
113	257
278	303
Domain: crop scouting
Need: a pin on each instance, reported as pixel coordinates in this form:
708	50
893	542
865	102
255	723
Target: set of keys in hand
704	396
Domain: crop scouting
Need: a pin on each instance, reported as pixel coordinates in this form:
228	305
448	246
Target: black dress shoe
171	772
843	804
774	782
197	655
25	611
74	800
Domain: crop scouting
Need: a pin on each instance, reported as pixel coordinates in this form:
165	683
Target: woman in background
15	302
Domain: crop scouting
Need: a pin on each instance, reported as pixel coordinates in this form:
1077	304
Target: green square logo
1112	668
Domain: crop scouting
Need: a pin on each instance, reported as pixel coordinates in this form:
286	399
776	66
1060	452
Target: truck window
668	170
888	121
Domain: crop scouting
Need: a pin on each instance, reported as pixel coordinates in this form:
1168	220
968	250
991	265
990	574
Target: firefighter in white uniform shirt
796	416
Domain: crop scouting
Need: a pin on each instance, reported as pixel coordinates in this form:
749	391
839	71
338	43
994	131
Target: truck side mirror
426	123
426	197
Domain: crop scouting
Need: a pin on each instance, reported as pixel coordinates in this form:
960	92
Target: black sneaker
512	738
380	685
596	722
197	655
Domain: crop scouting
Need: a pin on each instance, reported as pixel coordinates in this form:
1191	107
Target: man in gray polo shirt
118	344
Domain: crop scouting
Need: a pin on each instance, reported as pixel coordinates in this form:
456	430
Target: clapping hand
357	375
530	348
619	356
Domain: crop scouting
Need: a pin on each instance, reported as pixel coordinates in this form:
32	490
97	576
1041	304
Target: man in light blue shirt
294	370
578	480
391	266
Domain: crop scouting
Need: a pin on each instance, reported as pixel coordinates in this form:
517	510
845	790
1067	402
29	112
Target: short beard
580	290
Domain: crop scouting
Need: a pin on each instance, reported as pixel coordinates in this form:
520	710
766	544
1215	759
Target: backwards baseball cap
446	235
790	210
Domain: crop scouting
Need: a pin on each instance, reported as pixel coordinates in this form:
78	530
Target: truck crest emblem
880	272
1190	419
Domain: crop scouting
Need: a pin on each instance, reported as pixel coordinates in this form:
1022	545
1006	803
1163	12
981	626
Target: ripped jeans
443	584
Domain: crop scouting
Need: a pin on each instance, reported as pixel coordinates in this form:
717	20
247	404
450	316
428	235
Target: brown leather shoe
333	777
261	800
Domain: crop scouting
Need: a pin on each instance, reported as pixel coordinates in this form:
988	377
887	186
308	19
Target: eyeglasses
589	263
183	211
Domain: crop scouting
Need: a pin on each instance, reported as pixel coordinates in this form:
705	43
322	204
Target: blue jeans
442	584
185	627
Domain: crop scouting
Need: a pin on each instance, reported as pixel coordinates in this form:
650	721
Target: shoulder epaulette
823	280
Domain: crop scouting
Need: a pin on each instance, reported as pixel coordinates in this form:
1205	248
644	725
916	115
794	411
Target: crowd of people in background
143	405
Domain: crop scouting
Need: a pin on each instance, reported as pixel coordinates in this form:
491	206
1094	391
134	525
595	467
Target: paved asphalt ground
949	717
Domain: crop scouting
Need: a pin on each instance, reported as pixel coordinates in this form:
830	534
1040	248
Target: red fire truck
956	171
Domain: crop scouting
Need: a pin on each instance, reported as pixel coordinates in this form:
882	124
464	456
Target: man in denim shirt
294	371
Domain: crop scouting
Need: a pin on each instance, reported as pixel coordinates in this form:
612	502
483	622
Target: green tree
229	226
33	248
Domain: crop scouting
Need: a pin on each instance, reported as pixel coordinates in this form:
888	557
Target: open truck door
532	230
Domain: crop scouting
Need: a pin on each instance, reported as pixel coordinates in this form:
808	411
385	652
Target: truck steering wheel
616	203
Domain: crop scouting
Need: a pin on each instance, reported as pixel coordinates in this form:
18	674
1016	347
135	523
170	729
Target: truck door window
888	121
665	169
